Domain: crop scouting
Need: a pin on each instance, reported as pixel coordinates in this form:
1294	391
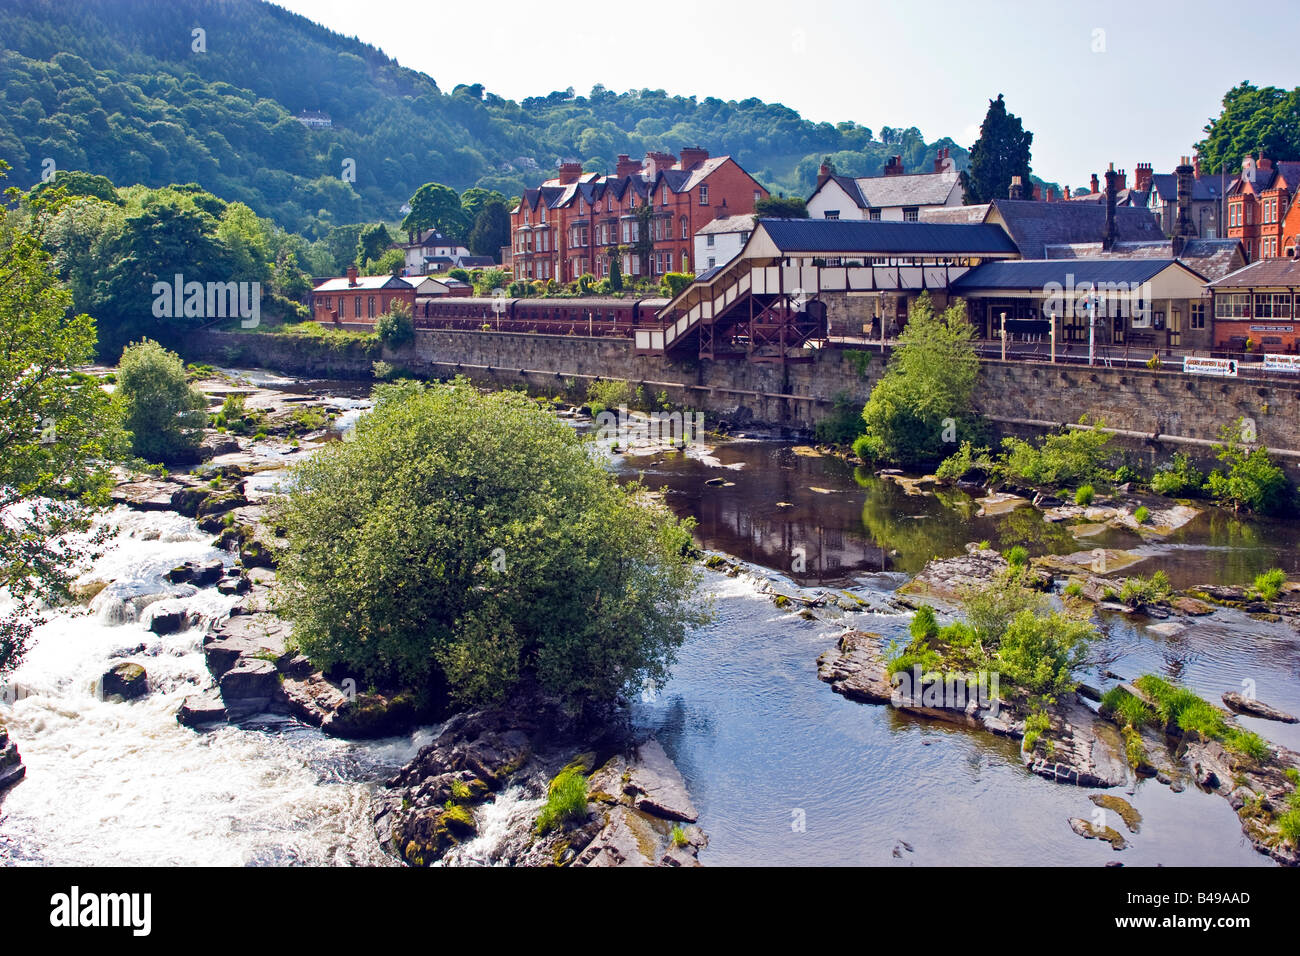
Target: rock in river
125	681
1256	708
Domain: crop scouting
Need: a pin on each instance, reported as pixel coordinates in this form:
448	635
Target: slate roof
1264	274
876	237
1039	273
968	214
908	189
340	284
1206	189
1212	258
723	224
1034	224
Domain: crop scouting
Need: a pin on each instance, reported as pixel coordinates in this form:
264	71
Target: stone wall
1156	413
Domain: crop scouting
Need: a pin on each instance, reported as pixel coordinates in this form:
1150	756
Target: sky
1095	83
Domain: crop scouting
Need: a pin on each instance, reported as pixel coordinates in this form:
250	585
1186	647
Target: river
783	770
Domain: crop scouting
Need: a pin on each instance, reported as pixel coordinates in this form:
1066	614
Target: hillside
114	87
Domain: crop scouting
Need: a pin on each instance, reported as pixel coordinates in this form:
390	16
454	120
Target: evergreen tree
1001	152
491	230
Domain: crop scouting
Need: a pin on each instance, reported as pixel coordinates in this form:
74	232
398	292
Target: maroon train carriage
546	316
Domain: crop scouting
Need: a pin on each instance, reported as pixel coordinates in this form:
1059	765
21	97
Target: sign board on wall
1195	365
1282	363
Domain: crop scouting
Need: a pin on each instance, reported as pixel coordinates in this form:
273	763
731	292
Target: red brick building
359	299
1258	206
581	222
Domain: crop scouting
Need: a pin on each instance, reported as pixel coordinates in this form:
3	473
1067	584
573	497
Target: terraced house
581	223
1258	202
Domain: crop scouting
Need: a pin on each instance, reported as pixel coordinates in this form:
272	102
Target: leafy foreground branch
466	544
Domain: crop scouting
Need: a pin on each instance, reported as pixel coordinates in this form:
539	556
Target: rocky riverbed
639	812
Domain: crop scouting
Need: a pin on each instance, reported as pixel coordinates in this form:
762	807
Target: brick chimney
941	161
692	156
1264	163
1183	227
654	162
1112	188
1067	192
895	166
352	275
1196	165
626	166
1038	193
569	173
824	173
1096	187
1142	177
1051	194
1017	190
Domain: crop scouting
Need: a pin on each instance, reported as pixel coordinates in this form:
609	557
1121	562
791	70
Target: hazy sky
1123	82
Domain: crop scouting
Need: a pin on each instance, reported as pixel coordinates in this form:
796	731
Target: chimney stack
1017	190
352	275
570	173
941	161
1051	194
1096	186
1142	178
824	174
1038	193
1067	192
1183	227
895	166
1112	187
692	156
626	166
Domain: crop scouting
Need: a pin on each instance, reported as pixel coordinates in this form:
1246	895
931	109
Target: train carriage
546	316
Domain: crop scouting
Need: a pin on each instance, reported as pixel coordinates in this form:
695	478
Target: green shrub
1178	478
1246	743
566	800
164	415
1017	556
1269	584
1075	454
924	625
964	461
1141	514
548	569
1084	495
1252	482
608	394
844	424
678	836
1036	724
1074	588
395	327
1150	590
1040	654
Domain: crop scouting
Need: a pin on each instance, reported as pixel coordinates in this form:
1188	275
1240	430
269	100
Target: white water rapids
124	783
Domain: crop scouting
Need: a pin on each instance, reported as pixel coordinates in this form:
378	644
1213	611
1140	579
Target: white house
434	252
721	241
895	196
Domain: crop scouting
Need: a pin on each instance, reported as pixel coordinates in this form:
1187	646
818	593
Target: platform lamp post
1052	315
1003	335
1092	329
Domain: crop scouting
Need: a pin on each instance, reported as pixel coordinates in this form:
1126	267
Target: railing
1128	355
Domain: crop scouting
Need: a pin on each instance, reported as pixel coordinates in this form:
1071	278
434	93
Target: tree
549	571
59	433
159	408
1001	152
474	200
1253	120
615	275
391	262
435	206
491	230
373	241
922	404
781	207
